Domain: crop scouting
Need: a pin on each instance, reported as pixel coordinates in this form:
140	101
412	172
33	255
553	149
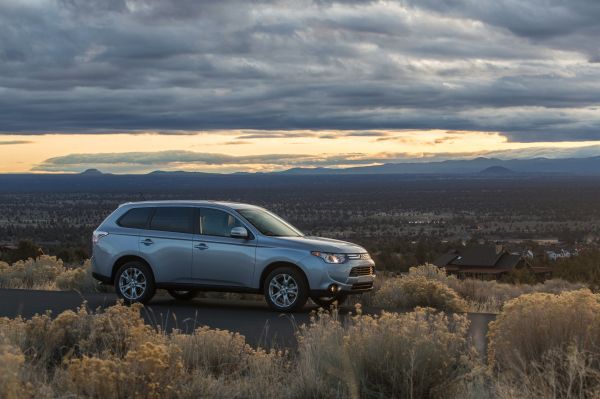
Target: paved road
253	319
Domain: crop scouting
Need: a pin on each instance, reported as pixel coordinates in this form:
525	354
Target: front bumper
351	277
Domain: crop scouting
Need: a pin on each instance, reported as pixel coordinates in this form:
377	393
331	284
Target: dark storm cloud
523	68
563	24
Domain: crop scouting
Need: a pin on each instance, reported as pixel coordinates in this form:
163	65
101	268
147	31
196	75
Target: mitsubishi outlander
191	246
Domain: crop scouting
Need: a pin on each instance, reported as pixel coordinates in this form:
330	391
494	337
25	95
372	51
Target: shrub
419	354
77	279
562	373
582	268
40	272
432	272
551	341
11	364
47	272
115	354
48	342
495	294
489	295
148	372
214	351
409	292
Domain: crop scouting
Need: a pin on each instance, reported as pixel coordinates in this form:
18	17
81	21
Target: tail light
97	235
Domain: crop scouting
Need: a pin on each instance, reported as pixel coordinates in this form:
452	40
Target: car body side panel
169	254
223	261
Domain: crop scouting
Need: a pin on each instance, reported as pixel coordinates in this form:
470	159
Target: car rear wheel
286	289
183	294
327	301
134	282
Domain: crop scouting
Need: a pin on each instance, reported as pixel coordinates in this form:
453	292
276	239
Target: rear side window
136	218
175	219
214	222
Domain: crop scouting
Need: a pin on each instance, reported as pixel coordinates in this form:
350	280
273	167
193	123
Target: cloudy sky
140	85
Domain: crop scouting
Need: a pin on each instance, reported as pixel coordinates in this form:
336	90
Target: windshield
269	224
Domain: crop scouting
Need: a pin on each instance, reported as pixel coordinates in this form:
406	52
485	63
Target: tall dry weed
408	292
47	273
421	354
548	343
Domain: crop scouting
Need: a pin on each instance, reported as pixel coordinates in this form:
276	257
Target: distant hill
571	166
176	173
497	171
309	171
91	172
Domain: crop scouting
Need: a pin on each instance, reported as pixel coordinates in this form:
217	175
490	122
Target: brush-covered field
545	342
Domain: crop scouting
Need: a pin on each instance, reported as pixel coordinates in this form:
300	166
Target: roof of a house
479	259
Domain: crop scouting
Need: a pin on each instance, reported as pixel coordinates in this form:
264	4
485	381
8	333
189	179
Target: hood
317	244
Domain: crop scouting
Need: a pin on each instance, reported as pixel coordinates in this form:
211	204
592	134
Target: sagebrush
114	354
49	273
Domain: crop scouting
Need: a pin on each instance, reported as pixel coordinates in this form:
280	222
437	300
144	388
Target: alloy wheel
132	283
283	290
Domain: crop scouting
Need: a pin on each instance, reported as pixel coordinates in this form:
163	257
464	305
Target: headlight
329	257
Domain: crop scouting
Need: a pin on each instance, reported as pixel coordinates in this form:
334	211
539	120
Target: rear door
167	243
220	259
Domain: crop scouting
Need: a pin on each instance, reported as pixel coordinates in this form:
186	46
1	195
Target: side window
175	219
136	218
214	222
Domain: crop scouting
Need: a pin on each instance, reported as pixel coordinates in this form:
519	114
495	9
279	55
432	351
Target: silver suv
191	246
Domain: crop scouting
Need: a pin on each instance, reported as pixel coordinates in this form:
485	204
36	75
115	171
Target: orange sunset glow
45	153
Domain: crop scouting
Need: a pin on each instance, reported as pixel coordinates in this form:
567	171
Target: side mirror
239	232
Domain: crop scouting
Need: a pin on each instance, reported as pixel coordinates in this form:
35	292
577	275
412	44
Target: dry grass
114	354
548	345
410	291
47	273
490	296
422	287
426	286
542	345
419	354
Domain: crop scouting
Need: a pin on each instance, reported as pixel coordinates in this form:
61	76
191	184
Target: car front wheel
134	282
285	289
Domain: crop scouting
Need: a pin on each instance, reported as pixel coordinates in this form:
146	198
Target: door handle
202	246
147	241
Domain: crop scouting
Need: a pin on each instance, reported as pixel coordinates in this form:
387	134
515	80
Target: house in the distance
561	254
484	261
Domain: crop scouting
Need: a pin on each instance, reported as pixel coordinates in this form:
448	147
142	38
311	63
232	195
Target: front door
219	259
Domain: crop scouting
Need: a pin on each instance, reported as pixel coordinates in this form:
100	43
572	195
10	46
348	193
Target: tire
326	302
183	295
135	272
293	282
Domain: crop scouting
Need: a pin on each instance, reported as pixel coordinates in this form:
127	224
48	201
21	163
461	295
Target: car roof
217	204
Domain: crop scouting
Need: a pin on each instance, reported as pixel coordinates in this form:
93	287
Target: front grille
362	271
362	286
363	256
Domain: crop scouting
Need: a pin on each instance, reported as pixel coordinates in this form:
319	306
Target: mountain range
576	166
478	169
